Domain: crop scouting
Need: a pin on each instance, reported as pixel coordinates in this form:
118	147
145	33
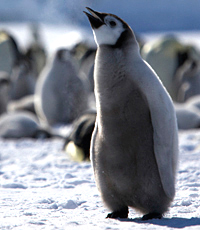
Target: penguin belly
123	157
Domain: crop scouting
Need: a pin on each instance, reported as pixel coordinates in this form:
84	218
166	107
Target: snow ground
41	188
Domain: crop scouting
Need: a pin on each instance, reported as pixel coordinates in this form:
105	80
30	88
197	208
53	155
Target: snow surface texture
41	188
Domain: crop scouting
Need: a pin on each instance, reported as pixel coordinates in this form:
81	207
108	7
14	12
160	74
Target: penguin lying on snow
134	145
188	116
188	113
77	145
21	125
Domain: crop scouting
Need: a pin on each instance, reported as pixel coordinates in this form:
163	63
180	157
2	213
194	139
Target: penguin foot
122	213
153	215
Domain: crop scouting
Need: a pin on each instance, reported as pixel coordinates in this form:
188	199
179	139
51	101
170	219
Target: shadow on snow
175	222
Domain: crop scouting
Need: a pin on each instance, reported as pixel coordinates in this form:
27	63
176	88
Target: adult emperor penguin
134	145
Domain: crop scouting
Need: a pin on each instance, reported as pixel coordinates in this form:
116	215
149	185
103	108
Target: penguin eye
112	23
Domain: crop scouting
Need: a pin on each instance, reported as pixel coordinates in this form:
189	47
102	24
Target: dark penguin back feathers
82	132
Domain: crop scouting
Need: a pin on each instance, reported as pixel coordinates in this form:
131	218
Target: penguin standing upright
134	145
60	95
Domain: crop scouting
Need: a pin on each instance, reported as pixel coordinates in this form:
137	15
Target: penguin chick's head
108	29
63	55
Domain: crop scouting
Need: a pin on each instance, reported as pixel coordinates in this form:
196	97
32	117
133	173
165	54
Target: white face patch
108	34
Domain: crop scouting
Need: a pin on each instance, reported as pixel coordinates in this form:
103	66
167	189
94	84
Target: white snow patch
60	193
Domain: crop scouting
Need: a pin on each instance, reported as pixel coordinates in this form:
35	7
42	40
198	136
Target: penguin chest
124	146
126	118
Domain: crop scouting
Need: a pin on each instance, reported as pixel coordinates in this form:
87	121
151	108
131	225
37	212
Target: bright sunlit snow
41	188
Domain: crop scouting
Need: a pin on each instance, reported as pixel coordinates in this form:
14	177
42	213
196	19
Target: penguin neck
126	38
111	73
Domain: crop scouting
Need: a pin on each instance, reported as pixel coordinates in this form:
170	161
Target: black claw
123	213
152	215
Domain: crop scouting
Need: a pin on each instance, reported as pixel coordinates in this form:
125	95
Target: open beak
96	19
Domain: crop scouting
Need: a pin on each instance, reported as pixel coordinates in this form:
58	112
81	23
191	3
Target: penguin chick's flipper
122	213
153	215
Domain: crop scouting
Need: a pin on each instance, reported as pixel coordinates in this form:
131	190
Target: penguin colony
52	91
134	145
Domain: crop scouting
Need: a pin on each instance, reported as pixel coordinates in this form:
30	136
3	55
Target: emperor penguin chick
60	95
134	145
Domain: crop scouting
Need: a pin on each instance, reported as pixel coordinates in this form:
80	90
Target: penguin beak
96	19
